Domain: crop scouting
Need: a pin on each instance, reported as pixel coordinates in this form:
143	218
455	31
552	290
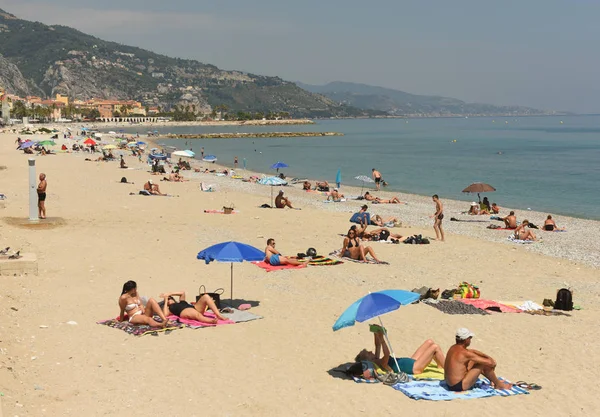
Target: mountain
400	103
46	60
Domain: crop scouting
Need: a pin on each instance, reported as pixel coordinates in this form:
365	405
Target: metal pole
33	206
232	283
390	345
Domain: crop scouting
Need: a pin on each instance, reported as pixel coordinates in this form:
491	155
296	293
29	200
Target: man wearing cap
281	201
464	366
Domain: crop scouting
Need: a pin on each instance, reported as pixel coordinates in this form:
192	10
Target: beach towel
512	239
438	391
431	372
489	305
334	201
323	261
268	267
239	316
337	254
195	324
140	330
219	212
454	307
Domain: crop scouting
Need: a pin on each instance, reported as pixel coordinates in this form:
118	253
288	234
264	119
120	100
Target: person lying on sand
274	257
322	186
130	303
393	200
188	311
510	221
463	366
550	224
281	201
306	186
419	360
383	233
123	166
152	188
522	234
353	249
174	177
335	195
377	220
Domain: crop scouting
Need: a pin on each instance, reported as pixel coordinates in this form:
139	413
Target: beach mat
241	316
454	307
337	254
438	391
140	330
489	305
269	268
324	261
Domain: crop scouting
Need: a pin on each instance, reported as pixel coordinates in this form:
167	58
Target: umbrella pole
231	290
390	345
271	196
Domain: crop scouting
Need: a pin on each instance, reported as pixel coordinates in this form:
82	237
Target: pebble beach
55	360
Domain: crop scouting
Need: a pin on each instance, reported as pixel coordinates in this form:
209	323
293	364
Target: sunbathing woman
353	249
188	311
377	220
383	233
130	303
522	234
550	224
393	200
306	186
419	360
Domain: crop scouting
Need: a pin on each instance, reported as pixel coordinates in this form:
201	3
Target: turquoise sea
549	164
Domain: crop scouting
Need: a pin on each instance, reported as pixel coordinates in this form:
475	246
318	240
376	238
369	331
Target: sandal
528	386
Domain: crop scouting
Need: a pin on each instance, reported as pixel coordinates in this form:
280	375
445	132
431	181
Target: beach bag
469	290
124	180
564	300
384	234
216	295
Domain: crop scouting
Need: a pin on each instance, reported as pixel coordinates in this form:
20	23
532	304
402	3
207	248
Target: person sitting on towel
275	258
281	201
335	195
353	249
152	188
123	166
495	208
510	221
188	311
550	224
463	366
422	357
306	186
522	234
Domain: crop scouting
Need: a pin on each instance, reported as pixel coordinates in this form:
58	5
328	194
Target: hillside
46	60
400	103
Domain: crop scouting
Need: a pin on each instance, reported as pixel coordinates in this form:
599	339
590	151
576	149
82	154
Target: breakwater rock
250	135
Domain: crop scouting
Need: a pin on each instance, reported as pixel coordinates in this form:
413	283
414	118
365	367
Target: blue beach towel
438	391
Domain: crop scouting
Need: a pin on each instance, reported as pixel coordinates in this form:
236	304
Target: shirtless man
510	221
377	178
152	188
274	257
41	191
438	216
393	200
281	201
464	366
335	195
495	208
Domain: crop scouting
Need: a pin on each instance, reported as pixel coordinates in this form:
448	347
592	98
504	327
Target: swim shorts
274	260
378	179
41	196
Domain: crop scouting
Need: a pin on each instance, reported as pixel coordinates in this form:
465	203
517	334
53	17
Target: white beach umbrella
364	180
272	181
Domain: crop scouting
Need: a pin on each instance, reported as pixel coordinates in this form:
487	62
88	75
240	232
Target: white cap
464	334
149	181
335	189
473	203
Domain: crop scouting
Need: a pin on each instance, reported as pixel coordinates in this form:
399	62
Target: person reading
463	366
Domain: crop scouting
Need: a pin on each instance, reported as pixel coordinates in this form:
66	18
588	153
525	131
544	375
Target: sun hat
473	204
464	334
335	189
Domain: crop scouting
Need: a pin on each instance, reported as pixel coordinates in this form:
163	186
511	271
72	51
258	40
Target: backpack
564	300
124	180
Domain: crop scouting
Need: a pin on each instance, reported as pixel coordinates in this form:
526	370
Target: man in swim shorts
274	257
377	178
41	191
464	366
510	221
438	216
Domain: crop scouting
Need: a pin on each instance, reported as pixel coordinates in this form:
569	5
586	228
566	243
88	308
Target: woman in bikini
130	303
550	224
522	234
188	311
353	249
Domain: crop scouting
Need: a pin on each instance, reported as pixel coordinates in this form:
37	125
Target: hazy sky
539	53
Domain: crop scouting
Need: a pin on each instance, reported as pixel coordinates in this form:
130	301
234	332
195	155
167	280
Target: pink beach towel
218	212
484	304
268	267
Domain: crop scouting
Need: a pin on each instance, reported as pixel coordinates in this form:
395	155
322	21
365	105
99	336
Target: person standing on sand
377	178
464	366
235	162
438	216
41	191
202	152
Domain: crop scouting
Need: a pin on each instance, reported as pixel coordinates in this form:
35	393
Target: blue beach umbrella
210	158
279	164
338	178
140	143
26	144
375	305
231	252
272	181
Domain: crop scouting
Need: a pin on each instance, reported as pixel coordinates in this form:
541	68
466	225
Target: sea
548	164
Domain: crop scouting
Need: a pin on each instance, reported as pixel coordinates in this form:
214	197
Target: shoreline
238	135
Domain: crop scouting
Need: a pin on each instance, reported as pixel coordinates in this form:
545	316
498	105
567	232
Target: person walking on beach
41	191
377	178
202	152
235	162
464	366
438	216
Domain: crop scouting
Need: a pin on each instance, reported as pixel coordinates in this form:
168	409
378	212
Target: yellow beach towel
431	372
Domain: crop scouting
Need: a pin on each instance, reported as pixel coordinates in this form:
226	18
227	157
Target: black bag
216	295
564	300
312	252
384	234
124	180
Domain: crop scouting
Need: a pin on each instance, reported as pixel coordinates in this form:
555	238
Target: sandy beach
277	365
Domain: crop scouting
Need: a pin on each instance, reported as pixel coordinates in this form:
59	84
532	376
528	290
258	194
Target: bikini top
130	307
355	243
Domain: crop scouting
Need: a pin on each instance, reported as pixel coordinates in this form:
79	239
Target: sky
537	53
